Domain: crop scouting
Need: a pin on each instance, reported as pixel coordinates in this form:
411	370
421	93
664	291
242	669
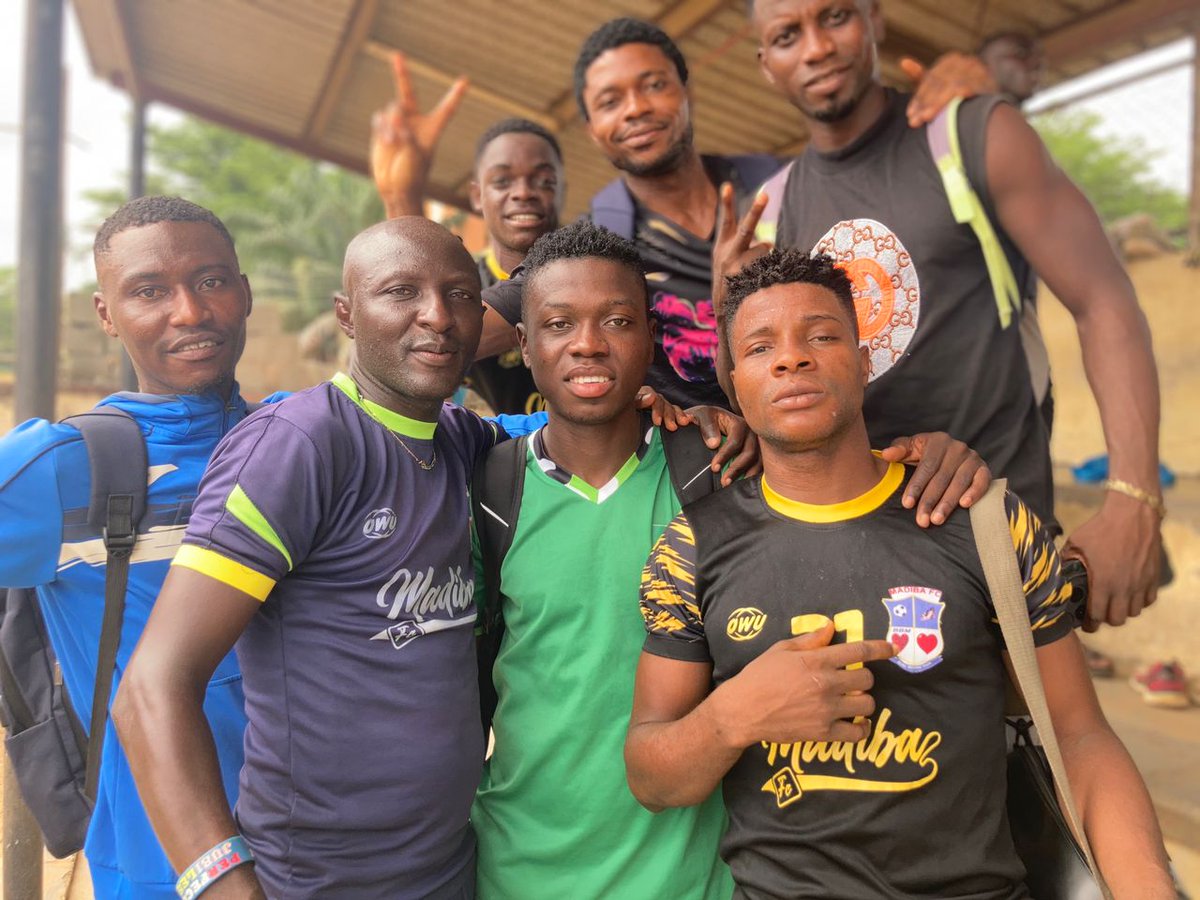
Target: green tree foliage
290	216
1114	172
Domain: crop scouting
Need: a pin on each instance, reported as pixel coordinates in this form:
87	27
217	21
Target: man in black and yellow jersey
808	596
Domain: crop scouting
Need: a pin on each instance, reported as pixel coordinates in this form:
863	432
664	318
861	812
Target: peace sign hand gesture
734	246
403	140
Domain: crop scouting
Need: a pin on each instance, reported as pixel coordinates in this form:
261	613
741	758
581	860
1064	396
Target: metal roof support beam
107	18
358	29
1116	24
383	52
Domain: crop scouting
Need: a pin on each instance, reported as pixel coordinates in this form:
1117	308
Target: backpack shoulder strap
689	460
612	208
993	541
967	208
773	187
496	487
118	463
117	460
755	168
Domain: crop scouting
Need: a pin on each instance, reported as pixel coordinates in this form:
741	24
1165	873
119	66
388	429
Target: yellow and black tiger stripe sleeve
674	625
1047	592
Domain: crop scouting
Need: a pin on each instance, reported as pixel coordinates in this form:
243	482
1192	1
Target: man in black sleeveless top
746	590
867	191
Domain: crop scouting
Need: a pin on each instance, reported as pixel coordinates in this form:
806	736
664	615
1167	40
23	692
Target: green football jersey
554	816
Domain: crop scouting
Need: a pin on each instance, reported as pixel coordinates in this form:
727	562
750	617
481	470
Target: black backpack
56	765
496	488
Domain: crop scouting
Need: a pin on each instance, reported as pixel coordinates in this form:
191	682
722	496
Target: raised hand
403	140
952	75
734	246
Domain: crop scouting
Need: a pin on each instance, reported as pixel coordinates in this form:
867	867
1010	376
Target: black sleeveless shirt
939	359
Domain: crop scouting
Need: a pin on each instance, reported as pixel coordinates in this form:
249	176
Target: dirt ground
1168	292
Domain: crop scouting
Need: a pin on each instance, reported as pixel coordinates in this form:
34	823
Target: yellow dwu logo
745	623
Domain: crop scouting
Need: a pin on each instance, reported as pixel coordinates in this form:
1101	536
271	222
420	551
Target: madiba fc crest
915	626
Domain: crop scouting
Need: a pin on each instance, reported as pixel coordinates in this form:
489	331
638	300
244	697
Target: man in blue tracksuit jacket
172	291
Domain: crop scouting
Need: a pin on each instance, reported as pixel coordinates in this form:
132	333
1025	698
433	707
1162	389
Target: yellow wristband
1132	490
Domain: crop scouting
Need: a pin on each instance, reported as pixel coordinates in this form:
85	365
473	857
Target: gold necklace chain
420	462
427	466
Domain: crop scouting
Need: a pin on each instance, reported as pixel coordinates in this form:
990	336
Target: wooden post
137	188
1193	253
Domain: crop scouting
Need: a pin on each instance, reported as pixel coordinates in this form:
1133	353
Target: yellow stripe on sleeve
241	507
225	570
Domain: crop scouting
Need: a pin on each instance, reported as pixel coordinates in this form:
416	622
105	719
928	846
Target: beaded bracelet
211	865
1132	490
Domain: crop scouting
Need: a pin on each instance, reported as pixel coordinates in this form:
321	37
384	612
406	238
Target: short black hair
143	211
516	126
618	33
581	239
787	267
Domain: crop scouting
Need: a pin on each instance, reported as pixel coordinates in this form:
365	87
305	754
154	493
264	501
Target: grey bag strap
993	540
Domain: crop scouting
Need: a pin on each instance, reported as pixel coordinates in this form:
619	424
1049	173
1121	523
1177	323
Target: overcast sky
1157	109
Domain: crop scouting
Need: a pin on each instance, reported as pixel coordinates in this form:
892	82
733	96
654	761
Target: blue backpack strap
613	208
119	465
967	209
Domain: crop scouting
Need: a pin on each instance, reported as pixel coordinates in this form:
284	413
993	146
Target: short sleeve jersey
554	816
940	358
364	744
918	808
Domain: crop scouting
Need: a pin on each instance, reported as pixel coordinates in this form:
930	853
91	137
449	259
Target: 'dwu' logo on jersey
379	524
745	623
915	626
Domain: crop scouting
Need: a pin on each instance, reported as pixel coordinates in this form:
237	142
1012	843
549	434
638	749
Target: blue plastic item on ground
1095	470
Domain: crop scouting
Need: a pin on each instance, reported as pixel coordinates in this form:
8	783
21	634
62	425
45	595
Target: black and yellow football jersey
918	808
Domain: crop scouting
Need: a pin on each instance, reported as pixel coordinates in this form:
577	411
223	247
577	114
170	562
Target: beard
835	112
669	161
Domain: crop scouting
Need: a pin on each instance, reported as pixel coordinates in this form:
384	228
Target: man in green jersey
553	816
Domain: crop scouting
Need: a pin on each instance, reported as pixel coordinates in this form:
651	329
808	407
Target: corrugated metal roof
308	73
